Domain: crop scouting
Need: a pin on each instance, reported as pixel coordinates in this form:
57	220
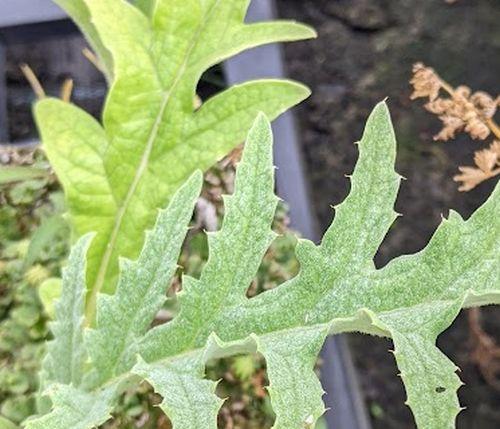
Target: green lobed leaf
338	289
152	137
329	271
235	255
124	317
232	317
342	287
235	252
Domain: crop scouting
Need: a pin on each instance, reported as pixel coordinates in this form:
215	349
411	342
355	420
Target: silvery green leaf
66	354
338	289
123	318
75	409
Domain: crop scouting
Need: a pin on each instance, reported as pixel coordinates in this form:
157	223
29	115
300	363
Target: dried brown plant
461	110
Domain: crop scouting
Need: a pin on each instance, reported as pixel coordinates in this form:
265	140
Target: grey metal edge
3	96
22	12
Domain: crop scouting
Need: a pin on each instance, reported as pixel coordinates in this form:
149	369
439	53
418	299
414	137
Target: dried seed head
484	104
470	178
477	129
486	160
462	110
487	166
451	126
426	82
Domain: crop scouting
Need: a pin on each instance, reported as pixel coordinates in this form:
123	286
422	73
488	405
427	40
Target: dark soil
365	53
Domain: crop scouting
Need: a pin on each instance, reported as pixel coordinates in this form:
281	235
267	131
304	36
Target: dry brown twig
32	79
87	53
66	90
461	110
36	86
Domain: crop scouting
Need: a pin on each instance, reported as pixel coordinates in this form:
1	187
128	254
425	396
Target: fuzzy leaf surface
188	399
66	353
152	138
338	289
235	252
125	316
338	284
75	409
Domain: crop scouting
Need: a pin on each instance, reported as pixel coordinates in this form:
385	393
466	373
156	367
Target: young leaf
116	177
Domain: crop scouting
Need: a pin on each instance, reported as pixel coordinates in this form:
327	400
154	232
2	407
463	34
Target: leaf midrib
194	351
123	208
428	299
